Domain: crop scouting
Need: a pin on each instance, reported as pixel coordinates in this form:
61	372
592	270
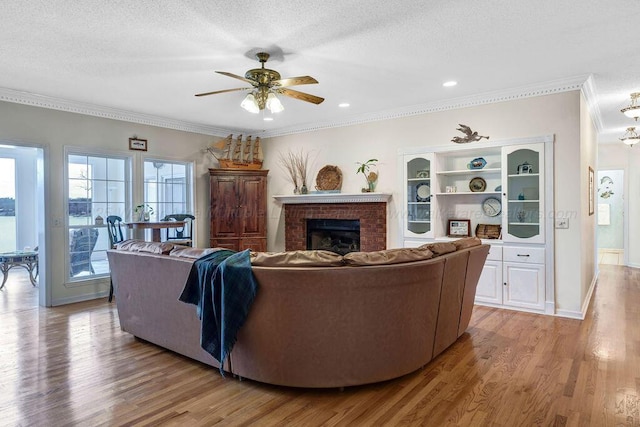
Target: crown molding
529	91
589	92
584	83
43	101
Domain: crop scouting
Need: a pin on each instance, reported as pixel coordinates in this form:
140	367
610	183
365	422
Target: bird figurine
470	135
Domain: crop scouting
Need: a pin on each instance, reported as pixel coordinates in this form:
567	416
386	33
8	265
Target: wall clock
491	206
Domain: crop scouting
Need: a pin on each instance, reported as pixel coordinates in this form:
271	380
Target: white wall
588	158
56	129
621	156
557	114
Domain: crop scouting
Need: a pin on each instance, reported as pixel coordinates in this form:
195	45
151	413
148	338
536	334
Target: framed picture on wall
459	228
137	144
591	191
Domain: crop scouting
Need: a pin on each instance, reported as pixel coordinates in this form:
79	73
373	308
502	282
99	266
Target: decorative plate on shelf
477	184
329	178
423	192
477	163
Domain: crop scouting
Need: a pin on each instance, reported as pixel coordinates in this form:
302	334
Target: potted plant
370	171
143	212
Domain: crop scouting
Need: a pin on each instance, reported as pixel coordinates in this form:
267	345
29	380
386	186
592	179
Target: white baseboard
572	314
79	298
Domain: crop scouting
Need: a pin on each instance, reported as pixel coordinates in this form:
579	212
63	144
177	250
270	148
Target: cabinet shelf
469	193
418	203
523	175
524	201
412	221
469	171
418	179
524	223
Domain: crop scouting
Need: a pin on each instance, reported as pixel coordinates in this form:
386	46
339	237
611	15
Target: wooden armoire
238	209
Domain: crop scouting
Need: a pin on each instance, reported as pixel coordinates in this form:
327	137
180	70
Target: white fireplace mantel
333	198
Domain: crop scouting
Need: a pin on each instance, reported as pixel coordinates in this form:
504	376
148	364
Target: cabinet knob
505	283
525	255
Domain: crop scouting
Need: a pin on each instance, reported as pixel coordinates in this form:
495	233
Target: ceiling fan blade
235	76
294	81
223	91
301	96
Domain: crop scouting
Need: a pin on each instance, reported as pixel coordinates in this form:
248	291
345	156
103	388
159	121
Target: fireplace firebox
337	235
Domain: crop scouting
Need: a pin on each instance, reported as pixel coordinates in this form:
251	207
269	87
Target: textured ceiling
150	57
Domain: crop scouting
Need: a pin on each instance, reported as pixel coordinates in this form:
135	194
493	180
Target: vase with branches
296	165
302	165
288	163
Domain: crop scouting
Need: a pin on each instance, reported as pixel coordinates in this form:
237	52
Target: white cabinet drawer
523	254
495	253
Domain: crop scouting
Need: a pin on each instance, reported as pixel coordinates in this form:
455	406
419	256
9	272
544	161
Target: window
167	187
98	186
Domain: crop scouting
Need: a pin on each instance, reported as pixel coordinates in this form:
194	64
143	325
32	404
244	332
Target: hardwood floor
72	365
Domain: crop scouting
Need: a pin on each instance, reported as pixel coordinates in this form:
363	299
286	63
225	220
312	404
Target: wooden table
155	227
25	259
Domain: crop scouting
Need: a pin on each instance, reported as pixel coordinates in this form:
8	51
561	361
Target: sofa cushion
439	248
387	256
189	252
133	245
467	242
314	258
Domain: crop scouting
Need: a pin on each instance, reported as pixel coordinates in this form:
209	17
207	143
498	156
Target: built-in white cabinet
490	285
523	178
524	277
493	186
417	195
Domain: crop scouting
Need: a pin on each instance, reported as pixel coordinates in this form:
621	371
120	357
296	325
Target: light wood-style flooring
73	366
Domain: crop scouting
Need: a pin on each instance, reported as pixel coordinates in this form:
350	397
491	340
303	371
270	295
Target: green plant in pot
370	171
143	212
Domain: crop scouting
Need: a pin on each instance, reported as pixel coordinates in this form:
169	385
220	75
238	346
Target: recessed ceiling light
450	83
268	119
343	105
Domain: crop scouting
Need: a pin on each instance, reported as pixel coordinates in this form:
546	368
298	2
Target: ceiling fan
265	84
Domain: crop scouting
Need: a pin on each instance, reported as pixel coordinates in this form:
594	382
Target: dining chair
83	241
115	237
180	235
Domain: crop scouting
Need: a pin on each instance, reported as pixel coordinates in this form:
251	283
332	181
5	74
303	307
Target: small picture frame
137	144
459	228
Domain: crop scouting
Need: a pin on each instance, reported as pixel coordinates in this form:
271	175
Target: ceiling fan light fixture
273	103
633	110
630	137
250	104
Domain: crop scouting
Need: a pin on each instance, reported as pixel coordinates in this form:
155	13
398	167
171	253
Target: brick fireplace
372	217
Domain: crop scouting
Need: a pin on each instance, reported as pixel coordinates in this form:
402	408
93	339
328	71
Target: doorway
23	211
611	219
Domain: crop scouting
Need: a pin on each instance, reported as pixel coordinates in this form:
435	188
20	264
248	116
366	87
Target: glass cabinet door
523	173
418	175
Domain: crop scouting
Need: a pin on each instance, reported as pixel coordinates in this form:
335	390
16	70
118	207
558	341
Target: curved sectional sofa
319	319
